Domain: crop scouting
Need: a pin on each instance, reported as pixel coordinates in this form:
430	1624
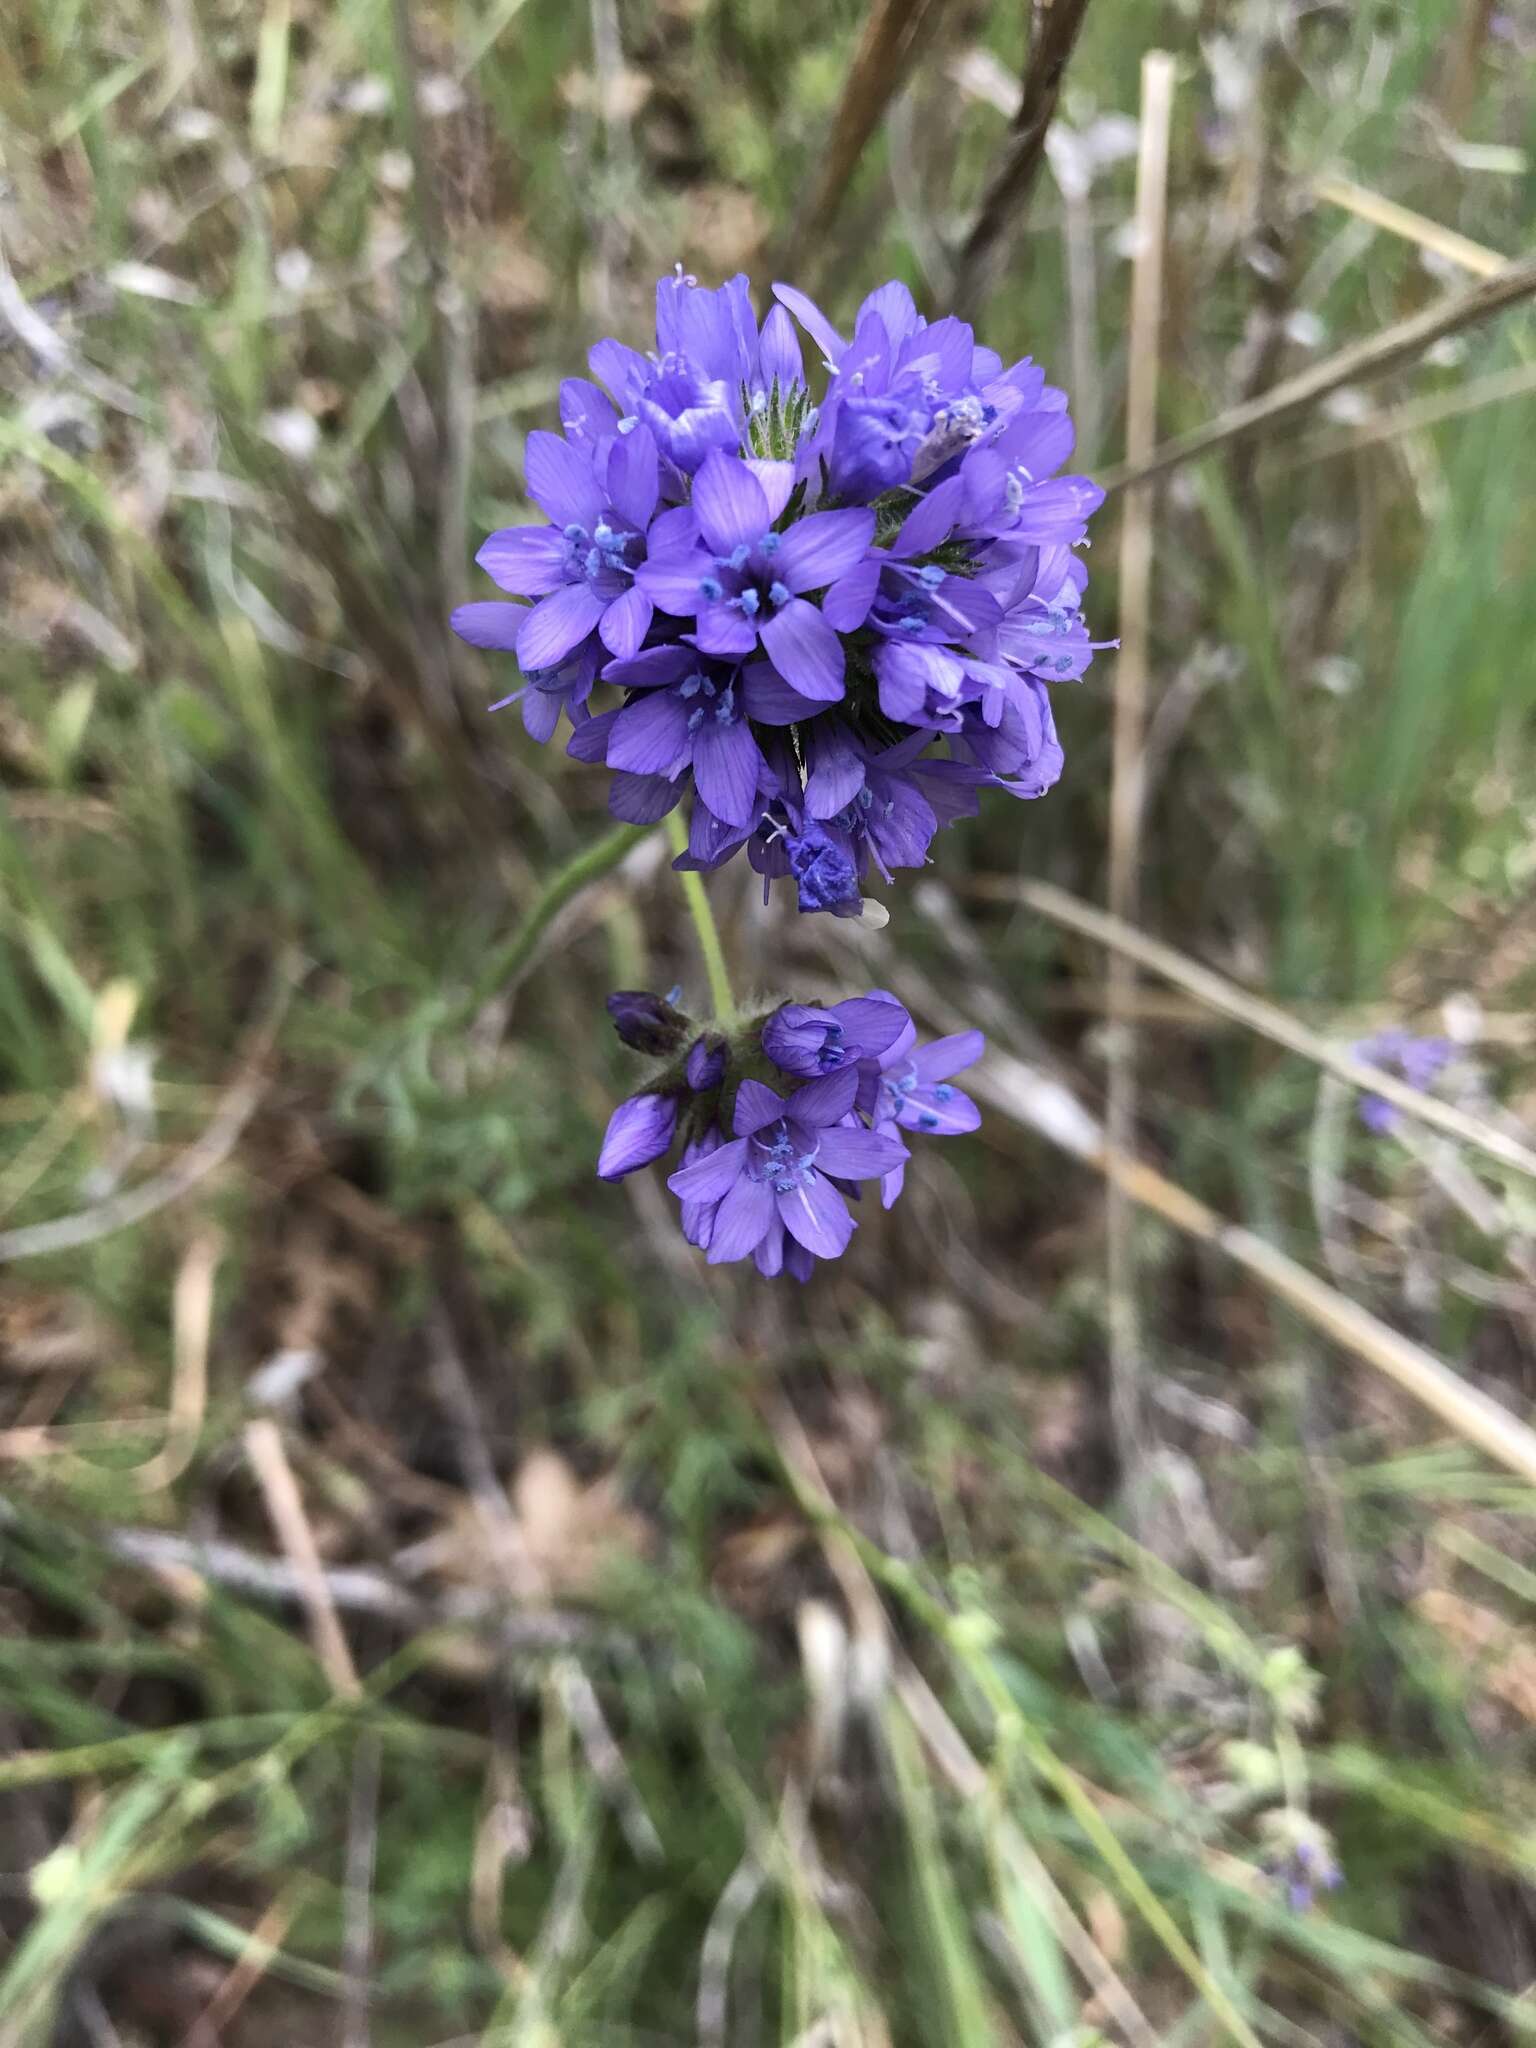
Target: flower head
833	617
780	1117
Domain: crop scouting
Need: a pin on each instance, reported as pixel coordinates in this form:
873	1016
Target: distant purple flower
1418	1060
1304	1868
835	615
772	1177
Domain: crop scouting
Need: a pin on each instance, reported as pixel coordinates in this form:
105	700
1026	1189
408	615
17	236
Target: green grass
239	751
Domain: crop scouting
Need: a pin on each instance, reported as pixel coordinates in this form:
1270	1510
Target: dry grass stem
1012	1087
1394	344
1130	718
285	1507
1266	1018
1412	227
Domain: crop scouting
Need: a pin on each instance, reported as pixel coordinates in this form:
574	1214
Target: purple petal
805	651
768	1253
893	305
741	1221
626	622
846	605
766	696
710	1179
1039	443
557	624
907	671
541	714
872	1023
941	1112
560	481
639	1131
589	742
948	1056
624	370
490	624
643	799
729	503
726	764
931	520
826	1100
527	560
1057	511
778	353
836	768
813	320
777	480
671	580
634	481
856	1154
819	549
816	1216
647	670
756	1105
650	736
722	629
586	414
673	530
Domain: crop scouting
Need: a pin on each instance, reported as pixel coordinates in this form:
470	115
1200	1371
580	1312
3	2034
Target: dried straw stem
1125	804
1268	1019
1352	365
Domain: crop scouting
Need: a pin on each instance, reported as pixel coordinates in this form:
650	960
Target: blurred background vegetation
436	1607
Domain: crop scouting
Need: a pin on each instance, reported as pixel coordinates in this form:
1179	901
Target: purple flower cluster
1418	1060
765	1173
834	620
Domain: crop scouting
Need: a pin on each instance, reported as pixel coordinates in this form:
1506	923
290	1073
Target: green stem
723	1001
579	872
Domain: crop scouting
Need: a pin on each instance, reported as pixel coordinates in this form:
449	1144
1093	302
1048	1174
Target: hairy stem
723	1001
584	868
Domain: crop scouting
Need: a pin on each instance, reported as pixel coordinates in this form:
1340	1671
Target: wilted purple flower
835	618
1418	1060
772	1177
647	1023
639	1131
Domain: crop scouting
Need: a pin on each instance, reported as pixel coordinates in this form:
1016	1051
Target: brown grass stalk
1130	714
1266	1018
1380	352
